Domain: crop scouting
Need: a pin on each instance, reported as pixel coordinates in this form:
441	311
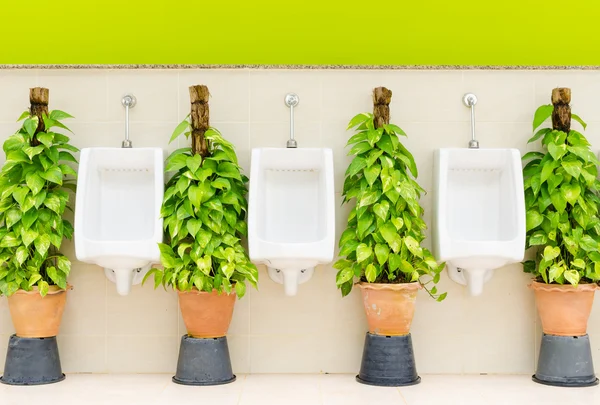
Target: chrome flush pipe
470	100
128	102
292	100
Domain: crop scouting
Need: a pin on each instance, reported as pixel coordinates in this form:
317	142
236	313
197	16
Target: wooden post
38	98
561	115
199	99
382	98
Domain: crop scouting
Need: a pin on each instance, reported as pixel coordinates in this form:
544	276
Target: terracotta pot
564	309
206	315
389	307
34	316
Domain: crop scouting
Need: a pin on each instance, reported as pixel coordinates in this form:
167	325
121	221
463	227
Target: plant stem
382	98
199	113
38	97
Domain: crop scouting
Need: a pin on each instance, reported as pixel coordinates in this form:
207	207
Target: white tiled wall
316	331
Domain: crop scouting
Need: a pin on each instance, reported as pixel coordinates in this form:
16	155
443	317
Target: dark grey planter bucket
203	362
565	361
32	361
388	361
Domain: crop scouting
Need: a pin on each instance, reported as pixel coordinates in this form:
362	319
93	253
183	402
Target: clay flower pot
564	309
34	316
389	307
206	315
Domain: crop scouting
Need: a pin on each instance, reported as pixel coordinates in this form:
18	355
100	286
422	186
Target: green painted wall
375	32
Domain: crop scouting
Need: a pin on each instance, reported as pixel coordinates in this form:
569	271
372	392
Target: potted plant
563	229
381	245
204	213
34	192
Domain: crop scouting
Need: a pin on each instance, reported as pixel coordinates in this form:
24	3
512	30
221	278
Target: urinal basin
291	212
117	215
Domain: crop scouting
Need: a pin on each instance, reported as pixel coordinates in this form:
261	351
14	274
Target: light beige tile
268	89
500	338
156	92
145	312
276	134
285	353
3	347
335	136
276	389
594	332
505	96
82	354
229	93
6	326
344	390
83	94
85	311
239	353
504	135
142	354
272	312
14	93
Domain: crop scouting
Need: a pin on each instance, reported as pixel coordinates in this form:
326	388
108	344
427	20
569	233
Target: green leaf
579	263
175	163
554	181
550	253
31	151
370	272
538	238
10	240
358	120
43	288
183	125
203	237
385	144
227	169
381	209
58	115
193	226
588	244
21	255
533	219
394	128
381	253
12	217
34	182
28	236
240	289
193	162
31	124
358	163
542	114
559	201
42	243
66	156
46	139
572	276
413	246
14	142
578	119
205	264
359	148
570	192
221	183
24	115
372	173
363	252
374	135
34	279
364	223
572	167
29	218
537	135
583	152
369	198
557	151
53	202
67	170
54	175
344	276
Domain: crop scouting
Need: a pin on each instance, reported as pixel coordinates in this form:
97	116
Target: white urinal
479	212
291	220
117	214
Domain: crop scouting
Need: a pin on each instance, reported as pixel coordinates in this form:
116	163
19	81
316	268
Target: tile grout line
402	396
248	340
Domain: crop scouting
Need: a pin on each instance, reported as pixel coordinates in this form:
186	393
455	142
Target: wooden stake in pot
382	98
199	98
38	97
561	115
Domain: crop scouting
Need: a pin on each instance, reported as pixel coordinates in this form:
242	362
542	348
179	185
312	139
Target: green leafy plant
382	243
561	199
204	211
34	185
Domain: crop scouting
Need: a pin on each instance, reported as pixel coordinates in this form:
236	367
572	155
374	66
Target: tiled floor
298	389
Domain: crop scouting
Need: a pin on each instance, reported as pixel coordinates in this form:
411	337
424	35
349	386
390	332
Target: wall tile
156	92
142	354
85	312
81	93
229	93
268	89
82	353
14	93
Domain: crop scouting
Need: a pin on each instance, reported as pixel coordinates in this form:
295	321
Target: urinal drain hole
301	271
477	170
122	170
293	170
